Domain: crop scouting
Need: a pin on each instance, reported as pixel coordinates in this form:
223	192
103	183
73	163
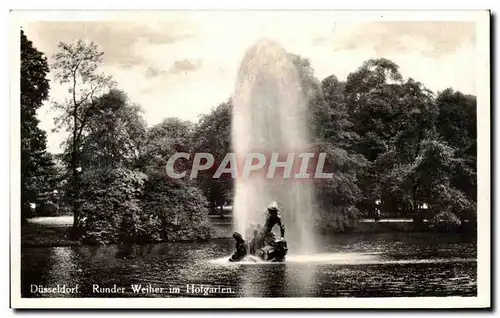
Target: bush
337	219
111	206
122	205
181	208
445	221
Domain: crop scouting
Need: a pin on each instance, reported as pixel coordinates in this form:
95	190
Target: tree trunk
75	185
74	163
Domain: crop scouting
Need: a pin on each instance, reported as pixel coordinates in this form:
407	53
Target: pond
344	265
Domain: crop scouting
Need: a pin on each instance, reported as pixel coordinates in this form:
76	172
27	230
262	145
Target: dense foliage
389	140
111	210
212	134
37	167
126	193
76	67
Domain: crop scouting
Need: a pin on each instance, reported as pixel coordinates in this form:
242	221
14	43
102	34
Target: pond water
344	265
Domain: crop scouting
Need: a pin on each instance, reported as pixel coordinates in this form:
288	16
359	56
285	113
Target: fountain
270	115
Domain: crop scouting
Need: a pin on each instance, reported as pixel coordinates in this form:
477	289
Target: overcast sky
187	64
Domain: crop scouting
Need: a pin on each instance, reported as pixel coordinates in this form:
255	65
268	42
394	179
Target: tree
116	134
334	135
457	124
112	209
212	134
163	140
76	65
36	162
427	180
331	133
111	186
312	93
371	97
179	205
391	117
414	121
127	196
336	123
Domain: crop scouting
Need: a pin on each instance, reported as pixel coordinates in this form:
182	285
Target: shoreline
53	232
57	235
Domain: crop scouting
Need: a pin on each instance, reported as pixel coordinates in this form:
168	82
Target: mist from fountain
270	115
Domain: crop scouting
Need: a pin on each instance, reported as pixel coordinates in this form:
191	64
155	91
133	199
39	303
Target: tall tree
371	97
414	118
36	162
116	134
426	180
163	140
212	134
111	187
75	65
391	117
330	132
178	204
457	124
337	125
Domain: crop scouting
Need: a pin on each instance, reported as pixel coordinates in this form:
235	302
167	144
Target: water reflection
347	266
64	265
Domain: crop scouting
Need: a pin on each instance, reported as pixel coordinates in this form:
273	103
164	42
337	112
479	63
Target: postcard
250	159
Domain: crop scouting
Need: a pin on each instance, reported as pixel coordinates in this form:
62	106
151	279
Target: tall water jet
270	115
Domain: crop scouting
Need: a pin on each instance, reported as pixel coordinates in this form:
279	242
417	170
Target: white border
483	252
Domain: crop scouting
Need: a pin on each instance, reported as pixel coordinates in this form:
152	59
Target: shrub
121	205
111	207
445	221
337	219
180	208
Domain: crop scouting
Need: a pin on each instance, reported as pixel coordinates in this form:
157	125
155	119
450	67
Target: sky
186	63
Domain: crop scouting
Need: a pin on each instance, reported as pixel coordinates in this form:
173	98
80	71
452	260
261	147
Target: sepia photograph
250	159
